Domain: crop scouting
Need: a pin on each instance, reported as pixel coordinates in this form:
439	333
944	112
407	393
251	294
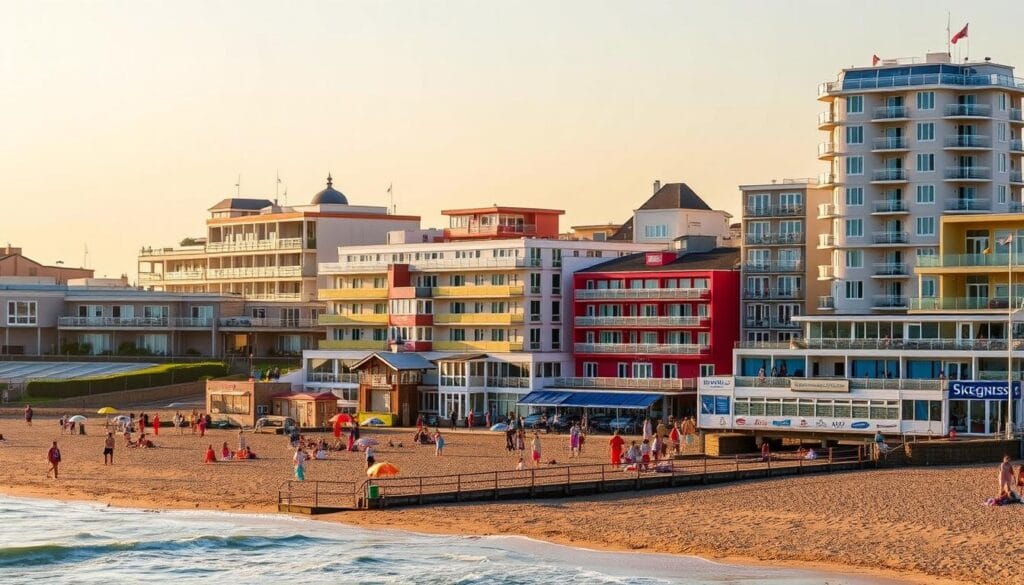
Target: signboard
978	390
818	385
797	424
717	383
712	405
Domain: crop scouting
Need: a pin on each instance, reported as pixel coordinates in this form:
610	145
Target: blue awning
634	400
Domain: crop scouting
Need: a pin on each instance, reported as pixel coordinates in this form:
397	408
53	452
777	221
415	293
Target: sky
122	122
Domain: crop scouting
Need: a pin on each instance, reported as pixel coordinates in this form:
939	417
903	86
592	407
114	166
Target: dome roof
330	195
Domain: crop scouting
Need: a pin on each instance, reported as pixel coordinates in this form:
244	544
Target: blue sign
707	405
977	390
782	423
721	405
860	425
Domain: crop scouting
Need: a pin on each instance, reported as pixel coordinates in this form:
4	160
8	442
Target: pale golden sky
121	122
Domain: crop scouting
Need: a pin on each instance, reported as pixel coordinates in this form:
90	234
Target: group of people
1008	480
227	454
657	441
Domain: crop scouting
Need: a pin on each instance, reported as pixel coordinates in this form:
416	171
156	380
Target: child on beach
574	441
645	454
210	456
438	444
370	460
300	464
108	449
225	452
53	456
535	449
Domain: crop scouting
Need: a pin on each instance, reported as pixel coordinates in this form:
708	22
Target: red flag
874	60
959	35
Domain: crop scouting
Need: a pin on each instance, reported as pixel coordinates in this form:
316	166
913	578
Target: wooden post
830	468
737	467
533	481
769	462
316	494
495	485
704	478
458	487
421	491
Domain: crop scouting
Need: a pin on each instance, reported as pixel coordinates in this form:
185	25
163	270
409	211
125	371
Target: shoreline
366	521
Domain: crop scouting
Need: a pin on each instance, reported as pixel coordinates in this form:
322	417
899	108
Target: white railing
254	245
642	348
267	322
641	293
331	377
627	383
255	272
680	321
135	322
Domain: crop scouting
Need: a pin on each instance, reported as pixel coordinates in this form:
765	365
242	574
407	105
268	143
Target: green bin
374	492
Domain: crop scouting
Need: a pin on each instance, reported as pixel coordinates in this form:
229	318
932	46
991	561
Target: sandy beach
919	524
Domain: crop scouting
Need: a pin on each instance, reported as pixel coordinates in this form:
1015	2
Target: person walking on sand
108	449
202	426
673	438
53	456
574	441
1005	477
648	430
615	445
520	442
535	449
178	419
192	421
156	425
28	414
438	444
300	463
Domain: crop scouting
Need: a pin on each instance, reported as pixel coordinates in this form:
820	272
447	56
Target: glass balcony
826	272
827	302
827	150
889	302
891	269
890	237
968	173
889	175
958	303
891	206
774	239
774	267
626	383
968	205
1015	115
773	211
890	113
889	143
641	348
1016	145
826	241
1016	177
969	260
827	210
968	111
967	141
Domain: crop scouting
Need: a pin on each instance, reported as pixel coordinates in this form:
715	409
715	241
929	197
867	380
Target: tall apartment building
909	142
267	254
779	271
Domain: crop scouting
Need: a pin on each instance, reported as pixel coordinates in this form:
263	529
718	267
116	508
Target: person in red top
765	453
616	443
28	415
210	456
202	426
469	419
156	425
673	437
53	456
337	427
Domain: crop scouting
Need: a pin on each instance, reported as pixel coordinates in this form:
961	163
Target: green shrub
159	375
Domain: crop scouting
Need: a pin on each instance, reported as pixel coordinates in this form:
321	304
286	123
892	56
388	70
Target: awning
634	400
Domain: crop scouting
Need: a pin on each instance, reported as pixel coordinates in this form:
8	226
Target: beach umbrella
367	441
500	427
374	422
342	418
107	410
77	419
382	469
121	419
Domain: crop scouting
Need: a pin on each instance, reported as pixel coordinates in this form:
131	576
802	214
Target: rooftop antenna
85	256
277	187
391	194
238	186
286	195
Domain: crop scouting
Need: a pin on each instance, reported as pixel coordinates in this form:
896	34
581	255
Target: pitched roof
670	196
717	259
399	360
242	203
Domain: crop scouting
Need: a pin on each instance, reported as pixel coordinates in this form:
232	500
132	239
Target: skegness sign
977	390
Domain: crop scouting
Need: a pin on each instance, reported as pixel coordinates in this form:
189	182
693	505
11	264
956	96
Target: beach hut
389	386
241	403
310	411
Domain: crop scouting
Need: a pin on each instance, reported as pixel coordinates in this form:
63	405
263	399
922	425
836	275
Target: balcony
826	272
959	304
490	346
362	344
889	176
354	319
968	142
1015	116
1017	146
134	322
889	302
889	144
888	237
441	264
827	211
195	251
254	272
1016	178
891	206
828	120
778	266
332	378
827	179
890	270
827	150
968	174
827	303
477	318
773	211
643	348
968	205
776	294
918	79
968	111
826	241
477	291
669	384
501	231
774	239
254	245
598	294
998	261
351	294
658	321
772	323
889	114
267	323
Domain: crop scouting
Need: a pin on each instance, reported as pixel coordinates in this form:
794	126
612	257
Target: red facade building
498	222
666	317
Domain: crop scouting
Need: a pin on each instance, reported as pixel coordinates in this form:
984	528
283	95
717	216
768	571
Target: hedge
160	375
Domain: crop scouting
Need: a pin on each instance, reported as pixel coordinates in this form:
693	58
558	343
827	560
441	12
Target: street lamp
1010	312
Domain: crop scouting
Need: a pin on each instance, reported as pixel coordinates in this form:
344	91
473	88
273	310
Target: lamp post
1010	311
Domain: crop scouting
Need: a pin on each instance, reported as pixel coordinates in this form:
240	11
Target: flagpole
949	51
1009	340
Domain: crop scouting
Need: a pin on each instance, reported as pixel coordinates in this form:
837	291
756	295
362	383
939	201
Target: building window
855	104
556	339
22	313
589	369
1002	162
656	231
1001	131
1001	194
926	100
670	370
535	338
926	226
622	370
855	196
707	370
928	286
556	311
855	165
534	310
1002	102
643	370
854	289
925	131
855	228
855	258
855	135
926	194
925	162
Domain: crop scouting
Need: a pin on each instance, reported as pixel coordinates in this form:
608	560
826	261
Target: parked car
532	420
599	422
626	424
275	424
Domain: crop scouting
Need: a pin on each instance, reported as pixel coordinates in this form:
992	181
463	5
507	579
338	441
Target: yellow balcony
345	294
354	319
494	346
361	344
477	318
477	292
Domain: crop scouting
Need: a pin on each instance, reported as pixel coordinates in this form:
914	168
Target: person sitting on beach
645	454
811	454
632	454
128	442
225	452
210	456
320	454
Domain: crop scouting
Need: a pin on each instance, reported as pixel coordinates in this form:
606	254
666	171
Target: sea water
44	541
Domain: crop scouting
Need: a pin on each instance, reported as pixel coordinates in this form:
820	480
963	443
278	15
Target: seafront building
266	254
15	264
914	338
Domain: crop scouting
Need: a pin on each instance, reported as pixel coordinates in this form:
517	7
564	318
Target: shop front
978	407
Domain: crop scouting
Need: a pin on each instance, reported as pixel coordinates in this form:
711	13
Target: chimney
657	185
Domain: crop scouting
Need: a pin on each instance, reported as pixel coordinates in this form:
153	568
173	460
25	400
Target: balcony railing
968	205
891	269
778	266
1015	115
491	230
773	210
627	383
968	110
772	323
827	302
855	383
889	302
889	143
353	344
374	266
495	346
968	173
1016	145
891	206
478	291
827	178
254	245
331	377
254	272
887	345
1016	177
826	271
828	118
477	318
342	294
890	237
958	303
659	321
643	348
889	113
354	319
774	239
136	322
969	260
990	80
889	175
826	240
968	141
782	294
826	149
826	210
585	294
182	251
268	322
